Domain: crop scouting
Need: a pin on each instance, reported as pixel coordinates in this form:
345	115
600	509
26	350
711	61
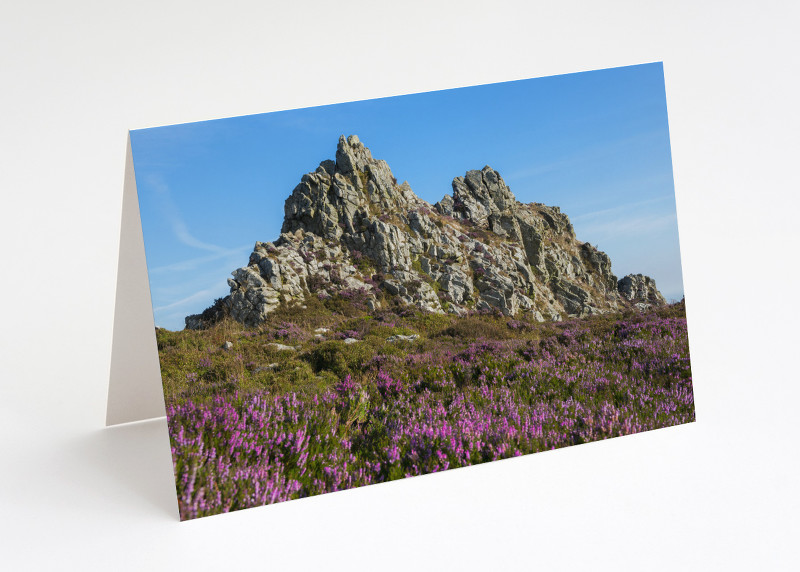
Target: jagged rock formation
641	291
351	230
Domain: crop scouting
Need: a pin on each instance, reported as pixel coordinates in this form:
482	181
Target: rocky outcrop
351	230
641	291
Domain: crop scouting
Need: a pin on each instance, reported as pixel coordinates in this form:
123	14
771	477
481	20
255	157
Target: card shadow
135	460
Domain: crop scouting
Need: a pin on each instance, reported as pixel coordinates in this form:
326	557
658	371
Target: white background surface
717	494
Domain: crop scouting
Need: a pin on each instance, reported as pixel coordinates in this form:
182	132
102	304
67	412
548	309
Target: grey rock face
640	289
479	249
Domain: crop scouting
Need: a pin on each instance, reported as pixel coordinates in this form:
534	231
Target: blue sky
594	143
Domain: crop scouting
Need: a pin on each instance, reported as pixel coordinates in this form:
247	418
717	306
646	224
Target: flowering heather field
254	425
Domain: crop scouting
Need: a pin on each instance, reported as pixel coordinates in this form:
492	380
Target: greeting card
355	293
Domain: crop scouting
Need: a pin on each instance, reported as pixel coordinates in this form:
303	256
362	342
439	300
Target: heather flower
346	385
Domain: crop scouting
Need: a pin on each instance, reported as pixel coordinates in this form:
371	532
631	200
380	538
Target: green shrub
474	327
365	266
430	324
339	358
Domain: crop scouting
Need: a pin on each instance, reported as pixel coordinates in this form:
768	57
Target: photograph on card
355	293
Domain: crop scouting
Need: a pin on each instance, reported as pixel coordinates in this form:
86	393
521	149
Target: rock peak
351	155
483	198
341	197
486	186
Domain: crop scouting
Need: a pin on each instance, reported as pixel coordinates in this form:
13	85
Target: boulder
402	338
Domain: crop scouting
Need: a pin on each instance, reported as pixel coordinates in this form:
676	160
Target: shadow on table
135	456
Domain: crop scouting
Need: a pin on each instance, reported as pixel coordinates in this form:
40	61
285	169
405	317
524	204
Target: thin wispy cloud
585	156
603	213
171	310
537	170
171	213
628	226
194	263
197	296
182	233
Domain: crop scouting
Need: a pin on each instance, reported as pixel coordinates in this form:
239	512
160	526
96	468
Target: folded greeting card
350	294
